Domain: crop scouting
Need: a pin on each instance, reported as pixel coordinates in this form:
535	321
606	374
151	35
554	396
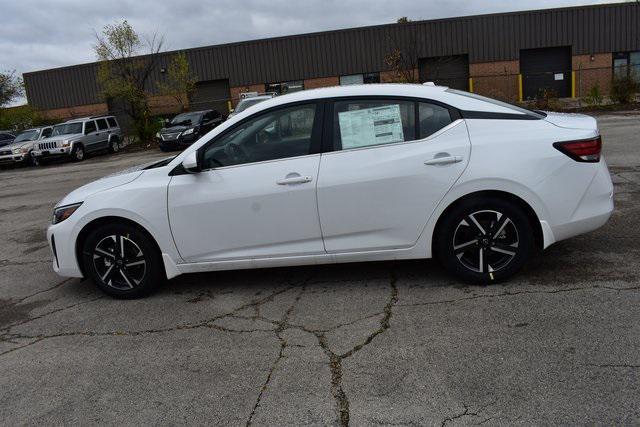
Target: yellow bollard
520	87
471	84
573	84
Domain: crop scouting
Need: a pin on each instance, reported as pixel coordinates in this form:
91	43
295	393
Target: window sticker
371	126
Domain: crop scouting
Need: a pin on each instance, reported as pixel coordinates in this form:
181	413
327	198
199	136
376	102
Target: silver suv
19	151
74	138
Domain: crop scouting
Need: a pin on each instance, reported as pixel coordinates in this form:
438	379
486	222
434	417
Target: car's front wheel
122	261
484	240
77	154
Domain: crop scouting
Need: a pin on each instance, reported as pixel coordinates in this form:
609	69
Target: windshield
246	103
67	129
186	118
537	114
27	135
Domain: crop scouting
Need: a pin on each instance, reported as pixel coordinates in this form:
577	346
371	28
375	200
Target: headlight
64	212
17	150
65	143
188	131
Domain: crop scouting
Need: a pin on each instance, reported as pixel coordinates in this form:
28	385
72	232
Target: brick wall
321	82
496	79
73	112
236	91
167	104
589	72
393	77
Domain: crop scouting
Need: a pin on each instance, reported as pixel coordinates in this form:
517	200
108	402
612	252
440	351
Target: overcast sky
36	35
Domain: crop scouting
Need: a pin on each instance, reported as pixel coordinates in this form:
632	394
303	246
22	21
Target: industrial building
512	56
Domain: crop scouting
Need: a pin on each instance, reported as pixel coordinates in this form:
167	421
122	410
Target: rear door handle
294	180
446	160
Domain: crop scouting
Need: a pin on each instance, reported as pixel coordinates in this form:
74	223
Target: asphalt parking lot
394	343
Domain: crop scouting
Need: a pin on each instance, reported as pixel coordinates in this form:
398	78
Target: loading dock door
452	71
212	94
546	68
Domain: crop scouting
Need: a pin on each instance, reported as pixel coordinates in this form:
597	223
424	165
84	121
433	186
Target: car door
255	196
387	171
102	137
91	136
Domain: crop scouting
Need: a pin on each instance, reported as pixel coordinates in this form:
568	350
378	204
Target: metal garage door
452	71
547	68
212	94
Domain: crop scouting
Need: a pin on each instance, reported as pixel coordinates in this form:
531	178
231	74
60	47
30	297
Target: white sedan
344	174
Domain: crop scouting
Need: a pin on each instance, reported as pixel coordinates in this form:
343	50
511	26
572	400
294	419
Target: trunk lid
572	121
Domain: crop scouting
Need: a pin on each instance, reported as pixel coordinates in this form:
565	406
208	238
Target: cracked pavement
391	343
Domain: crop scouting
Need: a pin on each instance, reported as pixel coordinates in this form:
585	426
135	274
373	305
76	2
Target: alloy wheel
485	241
119	262
79	153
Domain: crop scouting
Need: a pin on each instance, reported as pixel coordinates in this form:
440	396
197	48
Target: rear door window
89	127
112	122
102	124
432	118
365	123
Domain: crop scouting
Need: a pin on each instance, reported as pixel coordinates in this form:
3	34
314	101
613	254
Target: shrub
595	96
623	89
547	99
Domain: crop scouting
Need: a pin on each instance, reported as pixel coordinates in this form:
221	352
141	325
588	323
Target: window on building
627	64
285	87
358	79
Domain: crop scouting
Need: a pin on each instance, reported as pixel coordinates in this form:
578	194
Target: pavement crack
282	325
57	285
516	293
335	360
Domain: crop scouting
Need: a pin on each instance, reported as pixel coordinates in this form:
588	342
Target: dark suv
186	128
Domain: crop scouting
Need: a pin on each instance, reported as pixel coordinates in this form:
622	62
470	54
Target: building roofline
352	29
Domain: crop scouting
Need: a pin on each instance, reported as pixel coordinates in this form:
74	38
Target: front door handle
294	179
445	160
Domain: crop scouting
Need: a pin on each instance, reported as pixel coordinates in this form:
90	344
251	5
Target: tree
11	88
179	83
403	57
124	72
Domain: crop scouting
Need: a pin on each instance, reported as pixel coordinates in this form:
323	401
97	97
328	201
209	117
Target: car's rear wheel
77	154
122	261
484	240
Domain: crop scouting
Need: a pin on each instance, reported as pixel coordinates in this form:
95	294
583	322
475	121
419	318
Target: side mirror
190	163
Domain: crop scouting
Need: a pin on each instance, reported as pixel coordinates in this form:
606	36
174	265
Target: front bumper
182	141
61	238
13	158
53	152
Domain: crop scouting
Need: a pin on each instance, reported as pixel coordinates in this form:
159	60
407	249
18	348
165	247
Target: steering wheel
236	152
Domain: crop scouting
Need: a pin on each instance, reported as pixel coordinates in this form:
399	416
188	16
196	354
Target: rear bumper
593	211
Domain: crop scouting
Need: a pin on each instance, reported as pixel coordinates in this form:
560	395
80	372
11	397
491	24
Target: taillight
584	150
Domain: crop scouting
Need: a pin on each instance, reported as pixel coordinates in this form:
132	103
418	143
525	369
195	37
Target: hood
20	144
62	137
6	142
572	121
111	181
176	128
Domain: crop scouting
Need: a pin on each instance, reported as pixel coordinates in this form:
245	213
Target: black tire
78	153
504	238
164	148
114	145
133	275
38	161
